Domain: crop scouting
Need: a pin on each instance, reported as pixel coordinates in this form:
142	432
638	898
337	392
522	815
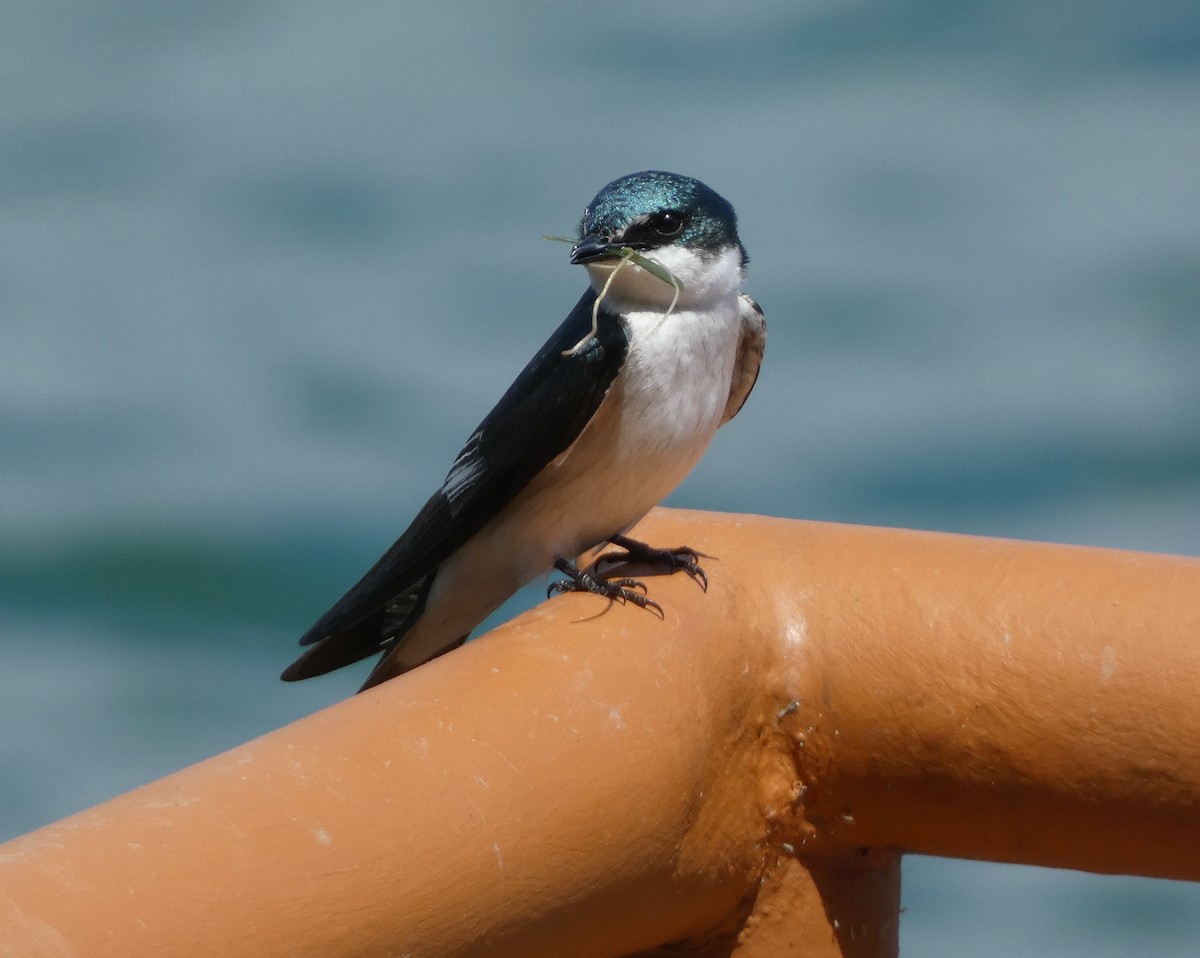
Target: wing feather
537	419
749	356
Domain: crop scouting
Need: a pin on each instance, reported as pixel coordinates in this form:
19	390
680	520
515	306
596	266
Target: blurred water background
264	265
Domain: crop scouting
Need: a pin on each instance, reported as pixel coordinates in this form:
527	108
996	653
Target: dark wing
749	356
537	419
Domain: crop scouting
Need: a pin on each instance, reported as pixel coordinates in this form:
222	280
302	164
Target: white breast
652	428
672	390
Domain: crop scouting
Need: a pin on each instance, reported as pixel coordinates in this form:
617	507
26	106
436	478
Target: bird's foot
681	559
622	590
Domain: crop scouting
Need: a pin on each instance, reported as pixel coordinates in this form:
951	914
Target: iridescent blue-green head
674	220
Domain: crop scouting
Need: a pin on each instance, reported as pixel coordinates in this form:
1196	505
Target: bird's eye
666	223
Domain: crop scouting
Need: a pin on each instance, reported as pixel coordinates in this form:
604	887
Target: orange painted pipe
740	776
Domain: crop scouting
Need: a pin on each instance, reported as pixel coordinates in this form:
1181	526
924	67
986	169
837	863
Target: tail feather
351	644
397	663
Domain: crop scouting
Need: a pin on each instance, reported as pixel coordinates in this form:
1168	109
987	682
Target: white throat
709	277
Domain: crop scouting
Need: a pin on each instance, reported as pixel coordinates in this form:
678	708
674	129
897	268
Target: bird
608	417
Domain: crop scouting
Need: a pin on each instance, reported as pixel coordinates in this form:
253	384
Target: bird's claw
681	559
620	590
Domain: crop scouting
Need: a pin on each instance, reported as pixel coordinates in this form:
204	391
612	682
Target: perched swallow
609	416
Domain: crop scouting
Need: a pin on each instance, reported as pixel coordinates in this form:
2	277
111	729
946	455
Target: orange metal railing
741	777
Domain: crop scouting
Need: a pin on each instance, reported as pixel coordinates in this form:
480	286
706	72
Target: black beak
592	248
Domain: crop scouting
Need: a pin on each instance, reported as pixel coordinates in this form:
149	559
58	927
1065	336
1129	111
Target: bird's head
672	220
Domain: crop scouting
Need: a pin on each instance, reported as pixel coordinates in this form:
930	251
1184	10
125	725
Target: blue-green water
263	266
